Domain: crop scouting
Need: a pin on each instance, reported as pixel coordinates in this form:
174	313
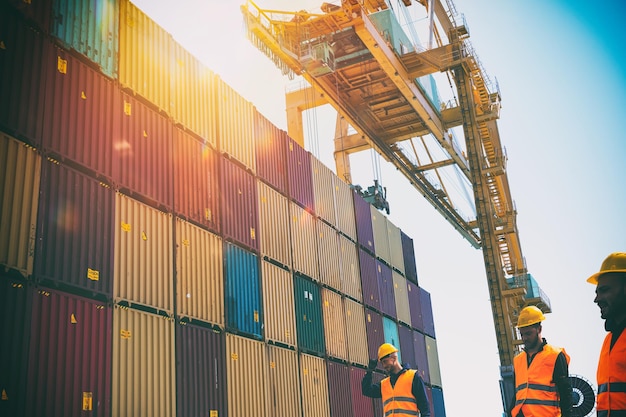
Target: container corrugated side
335	330
344	202
375	332
299	176
406	346
270	147
36	13
415	306
427	313
242	291
408	254
363	219
239	208
21	82
199	274
200	371
395	246
309	317
193	95
329	255
369	279
433	361
390	327
385	289
144	153
144	376
246	367
338	380
15	315
75	235
429	394
235	125
314	386
379	229
421	357
274	225
80	121
323	191
401	293
69	356
361	405
145	56
438	403
143	255
278	305
357	333
283	382
304	241
91	28
20	174
196	182
350	269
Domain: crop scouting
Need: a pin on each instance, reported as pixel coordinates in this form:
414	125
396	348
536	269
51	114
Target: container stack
165	250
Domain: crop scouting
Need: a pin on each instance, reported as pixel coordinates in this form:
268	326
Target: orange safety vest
611	378
399	399
536	394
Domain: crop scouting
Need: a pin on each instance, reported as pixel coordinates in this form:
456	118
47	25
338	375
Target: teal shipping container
390	329
309	319
91	28
243	291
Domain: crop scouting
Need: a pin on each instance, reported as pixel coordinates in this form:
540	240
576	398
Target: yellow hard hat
386	349
615	262
530	315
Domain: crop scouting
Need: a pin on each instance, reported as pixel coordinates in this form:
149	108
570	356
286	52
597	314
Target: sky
560	67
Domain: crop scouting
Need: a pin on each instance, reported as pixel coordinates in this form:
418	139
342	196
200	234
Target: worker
541	375
402	391
611	298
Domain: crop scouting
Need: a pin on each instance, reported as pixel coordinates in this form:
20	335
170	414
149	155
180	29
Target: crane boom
357	58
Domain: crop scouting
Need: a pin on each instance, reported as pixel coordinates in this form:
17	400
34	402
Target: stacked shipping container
171	251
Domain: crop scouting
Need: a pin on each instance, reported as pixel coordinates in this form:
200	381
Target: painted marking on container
213	413
126	227
252	233
185	242
145	134
305	371
5	397
73	319
83	95
61	65
272	364
93	274
87	401
234	356
208	214
326	303
125	334
2	45
369	318
256	316
127	108
144	236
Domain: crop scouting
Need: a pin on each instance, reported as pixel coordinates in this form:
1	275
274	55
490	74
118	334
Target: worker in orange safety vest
542	384
610	284
402	391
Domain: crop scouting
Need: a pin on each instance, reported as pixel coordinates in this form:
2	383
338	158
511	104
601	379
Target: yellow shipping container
275	241
283	382
314	386
278	305
246	367
329	253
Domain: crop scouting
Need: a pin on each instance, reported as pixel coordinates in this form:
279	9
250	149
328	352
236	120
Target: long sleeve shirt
560	376
418	390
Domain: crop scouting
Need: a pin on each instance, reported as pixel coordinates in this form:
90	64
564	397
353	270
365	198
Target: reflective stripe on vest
611	378
535	392
399	400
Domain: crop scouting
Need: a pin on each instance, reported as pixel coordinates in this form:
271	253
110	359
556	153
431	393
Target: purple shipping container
79	119
200	371
361	405
239	205
15	308
21	83
421	358
70	356
196	183
377	402
364	229
369	279
408	253
385	289
338	380
375	332
415	306
427	313
300	176
36	12
144	154
407	350
270	148
75	236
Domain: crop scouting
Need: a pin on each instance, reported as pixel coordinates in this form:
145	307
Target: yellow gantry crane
357	57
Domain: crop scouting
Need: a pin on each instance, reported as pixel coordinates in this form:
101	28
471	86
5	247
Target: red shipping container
270	143
338	380
362	406
69	372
